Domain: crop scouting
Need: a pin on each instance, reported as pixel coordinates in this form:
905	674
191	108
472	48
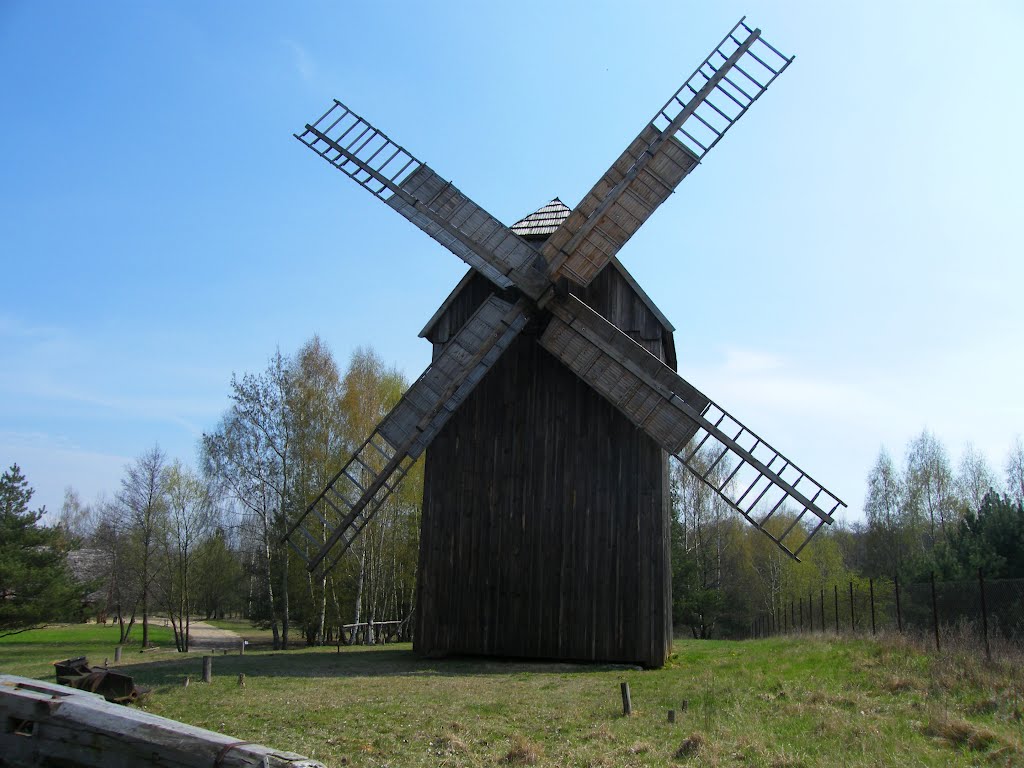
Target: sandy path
204	636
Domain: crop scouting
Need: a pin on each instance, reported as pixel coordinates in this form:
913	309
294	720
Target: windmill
551	404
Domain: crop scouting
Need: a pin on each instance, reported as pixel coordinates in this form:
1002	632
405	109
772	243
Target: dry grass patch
523	752
691	746
960	733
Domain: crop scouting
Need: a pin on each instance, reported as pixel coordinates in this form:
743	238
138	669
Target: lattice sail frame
762	484
692	122
373	472
655	398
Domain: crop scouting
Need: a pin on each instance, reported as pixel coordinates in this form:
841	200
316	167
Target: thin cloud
303	62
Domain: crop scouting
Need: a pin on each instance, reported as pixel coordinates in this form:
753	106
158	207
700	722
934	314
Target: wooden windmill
552	403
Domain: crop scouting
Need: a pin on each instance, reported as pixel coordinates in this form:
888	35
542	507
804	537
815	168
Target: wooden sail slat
672	412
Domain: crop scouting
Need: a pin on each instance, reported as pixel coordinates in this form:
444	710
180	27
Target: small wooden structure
43	724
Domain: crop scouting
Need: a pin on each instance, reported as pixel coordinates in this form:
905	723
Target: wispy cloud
304	63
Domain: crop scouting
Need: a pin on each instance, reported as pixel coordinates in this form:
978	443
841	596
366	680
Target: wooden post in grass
823	610
671	715
627	702
241	679
207	669
241	648
117	653
935	615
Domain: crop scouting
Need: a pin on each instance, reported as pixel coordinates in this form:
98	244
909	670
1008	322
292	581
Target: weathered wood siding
545	522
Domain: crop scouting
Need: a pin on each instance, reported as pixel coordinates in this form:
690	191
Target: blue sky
843	270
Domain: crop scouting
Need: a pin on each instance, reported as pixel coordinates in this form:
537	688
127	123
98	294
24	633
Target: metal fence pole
935	615
871	588
899	615
822	609
801	614
984	614
853	621
810	610
835	590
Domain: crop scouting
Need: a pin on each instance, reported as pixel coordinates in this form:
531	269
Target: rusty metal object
116	687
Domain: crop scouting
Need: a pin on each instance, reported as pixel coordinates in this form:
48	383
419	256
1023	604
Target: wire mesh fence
988	612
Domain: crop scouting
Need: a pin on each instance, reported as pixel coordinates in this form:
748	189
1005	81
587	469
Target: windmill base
545	529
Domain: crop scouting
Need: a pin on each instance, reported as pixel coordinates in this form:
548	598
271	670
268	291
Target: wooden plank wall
545	523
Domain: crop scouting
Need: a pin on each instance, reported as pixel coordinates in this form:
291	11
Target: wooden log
627	702
207	669
55	725
117	654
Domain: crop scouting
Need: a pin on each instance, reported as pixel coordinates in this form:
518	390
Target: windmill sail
711	100
335	518
436	206
764	486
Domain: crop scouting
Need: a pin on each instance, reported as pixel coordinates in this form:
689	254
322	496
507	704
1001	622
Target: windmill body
552	403
545	514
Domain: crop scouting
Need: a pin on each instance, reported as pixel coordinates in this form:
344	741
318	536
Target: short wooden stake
241	648
187	680
117	653
685	705
627	703
207	669
241	680
671	715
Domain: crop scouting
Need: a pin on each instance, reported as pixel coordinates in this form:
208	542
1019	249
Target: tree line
922	517
180	542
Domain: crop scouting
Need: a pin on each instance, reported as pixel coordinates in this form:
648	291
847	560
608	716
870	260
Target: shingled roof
543	221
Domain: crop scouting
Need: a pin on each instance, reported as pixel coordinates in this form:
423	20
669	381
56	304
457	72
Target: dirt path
205	636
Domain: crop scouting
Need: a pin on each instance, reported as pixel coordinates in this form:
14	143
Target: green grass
779	703
32	653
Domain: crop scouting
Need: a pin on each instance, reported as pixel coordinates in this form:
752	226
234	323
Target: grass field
778	703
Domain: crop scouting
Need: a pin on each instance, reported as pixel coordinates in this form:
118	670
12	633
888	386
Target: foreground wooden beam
47	724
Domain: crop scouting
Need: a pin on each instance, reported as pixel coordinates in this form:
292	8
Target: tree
189	515
930	497
884	508
143	508
35	585
250	455
1015	471
974	478
991	539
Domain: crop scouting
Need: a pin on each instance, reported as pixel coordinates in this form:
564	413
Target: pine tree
35	585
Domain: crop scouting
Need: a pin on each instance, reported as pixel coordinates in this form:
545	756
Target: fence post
899	614
801	614
935	615
835	591
853	624
792	610
823	610
207	669
810	611
984	614
871	589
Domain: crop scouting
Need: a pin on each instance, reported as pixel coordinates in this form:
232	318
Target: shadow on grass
393	661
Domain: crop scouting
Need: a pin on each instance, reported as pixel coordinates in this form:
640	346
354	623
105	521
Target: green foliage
35	585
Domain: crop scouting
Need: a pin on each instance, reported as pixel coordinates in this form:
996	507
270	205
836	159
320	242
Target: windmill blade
389	172
373	472
711	100
762	484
